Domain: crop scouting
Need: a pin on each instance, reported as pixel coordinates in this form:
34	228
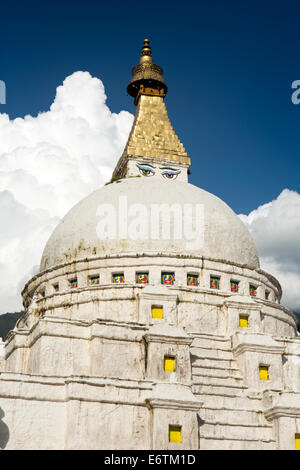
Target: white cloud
275	228
47	164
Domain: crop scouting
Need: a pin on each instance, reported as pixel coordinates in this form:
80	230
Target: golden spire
152	138
147	77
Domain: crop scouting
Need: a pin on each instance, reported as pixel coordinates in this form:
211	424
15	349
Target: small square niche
73	283
252	290
214	282
168	278
94	280
234	285
243	321
263	372
157	311
267	295
169	363
118	278
175	434
192	280
142	278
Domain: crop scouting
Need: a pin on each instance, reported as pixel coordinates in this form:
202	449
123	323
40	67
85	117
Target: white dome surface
225	236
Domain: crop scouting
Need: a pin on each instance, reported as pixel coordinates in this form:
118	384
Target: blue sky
229	66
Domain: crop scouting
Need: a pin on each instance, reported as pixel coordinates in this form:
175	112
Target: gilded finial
147	77
146	57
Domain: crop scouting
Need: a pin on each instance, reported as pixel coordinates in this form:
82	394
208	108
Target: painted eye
146	172
170	176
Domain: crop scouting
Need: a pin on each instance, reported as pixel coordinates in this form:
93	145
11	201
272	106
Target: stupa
151	324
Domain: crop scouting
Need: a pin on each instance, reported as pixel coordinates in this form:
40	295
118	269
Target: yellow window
264	372
297	441
170	363
244	321
157	312
175	434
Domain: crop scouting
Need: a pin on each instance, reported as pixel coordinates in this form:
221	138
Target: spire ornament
147	77
146	57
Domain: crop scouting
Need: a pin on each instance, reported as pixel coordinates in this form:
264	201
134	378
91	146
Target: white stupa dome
77	236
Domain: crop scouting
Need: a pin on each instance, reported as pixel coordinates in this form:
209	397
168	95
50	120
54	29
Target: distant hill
298	316
8	321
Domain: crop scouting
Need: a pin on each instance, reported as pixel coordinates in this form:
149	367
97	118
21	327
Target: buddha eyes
170	176
145	170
